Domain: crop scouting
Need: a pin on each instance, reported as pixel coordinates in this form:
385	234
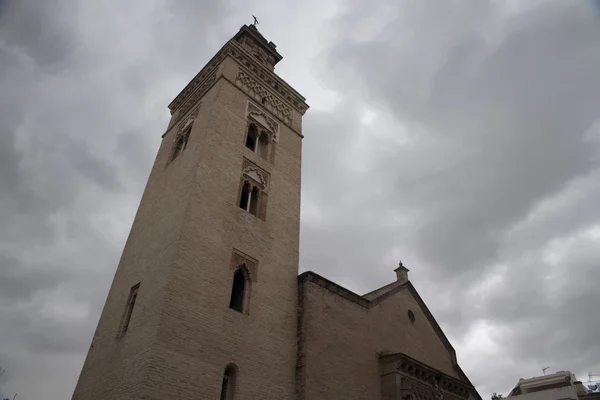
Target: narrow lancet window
238	291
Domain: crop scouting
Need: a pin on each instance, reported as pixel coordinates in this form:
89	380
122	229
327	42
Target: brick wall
342	336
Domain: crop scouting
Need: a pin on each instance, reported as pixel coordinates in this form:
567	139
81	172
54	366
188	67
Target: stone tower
203	303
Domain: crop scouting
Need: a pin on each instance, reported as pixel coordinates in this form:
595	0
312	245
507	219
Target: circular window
411	316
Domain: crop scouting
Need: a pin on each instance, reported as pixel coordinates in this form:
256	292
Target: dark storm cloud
82	111
348	200
513	113
478	166
43	30
19	282
494	108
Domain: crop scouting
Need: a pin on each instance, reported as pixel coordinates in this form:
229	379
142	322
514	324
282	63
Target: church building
207	303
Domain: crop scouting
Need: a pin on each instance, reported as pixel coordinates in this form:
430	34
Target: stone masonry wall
182	333
342	341
199	335
114	367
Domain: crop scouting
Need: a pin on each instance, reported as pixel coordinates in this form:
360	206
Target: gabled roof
379	295
382	290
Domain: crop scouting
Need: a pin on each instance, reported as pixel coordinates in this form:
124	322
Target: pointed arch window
240	290
181	141
133	294
258	141
252	137
237	291
228	385
253	189
245	196
252	198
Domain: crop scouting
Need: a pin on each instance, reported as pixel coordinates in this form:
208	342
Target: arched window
254	197
245	196
251	198
181	142
262	148
252	137
258	142
238	290
228	385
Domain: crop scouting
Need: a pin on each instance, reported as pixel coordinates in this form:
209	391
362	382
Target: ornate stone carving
208	71
187	122
255	173
426	383
236	51
197	95
257	51
272	81
437	391
256	90
263	118
414	389
239	258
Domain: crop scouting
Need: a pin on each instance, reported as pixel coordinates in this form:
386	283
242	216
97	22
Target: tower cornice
269	78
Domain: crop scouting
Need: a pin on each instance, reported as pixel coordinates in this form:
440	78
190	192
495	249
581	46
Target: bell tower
203	303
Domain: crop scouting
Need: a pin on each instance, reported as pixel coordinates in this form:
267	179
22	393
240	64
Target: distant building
562	385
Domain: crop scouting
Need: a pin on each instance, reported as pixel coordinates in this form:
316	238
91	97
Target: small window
238	290
262	148
228	385
250	199
411	316
258	142
254	197
129	309
245	196
252	137
181	142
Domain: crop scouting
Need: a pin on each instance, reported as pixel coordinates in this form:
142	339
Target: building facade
562	385
206	302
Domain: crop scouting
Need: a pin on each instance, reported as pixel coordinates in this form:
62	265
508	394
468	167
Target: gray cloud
42	30
78	137
504	138
20	282
492	108
462	146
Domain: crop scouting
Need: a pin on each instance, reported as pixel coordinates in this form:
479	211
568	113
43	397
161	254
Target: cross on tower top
255	20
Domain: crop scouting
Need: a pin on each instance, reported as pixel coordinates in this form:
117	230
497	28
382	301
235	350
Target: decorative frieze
440	385
197	95
416	390
270	81
255	173
419	381
258	91
257	51
208	74
257	114
239	259
187	121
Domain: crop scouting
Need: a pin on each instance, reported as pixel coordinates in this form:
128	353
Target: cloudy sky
466	138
